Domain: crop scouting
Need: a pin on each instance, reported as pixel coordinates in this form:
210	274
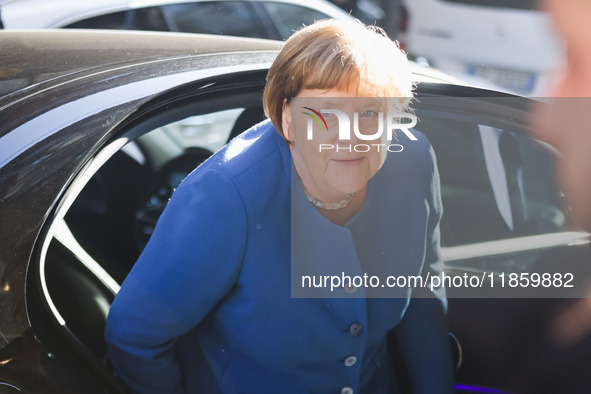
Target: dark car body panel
54	115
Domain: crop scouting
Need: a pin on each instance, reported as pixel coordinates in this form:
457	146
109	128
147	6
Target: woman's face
329	167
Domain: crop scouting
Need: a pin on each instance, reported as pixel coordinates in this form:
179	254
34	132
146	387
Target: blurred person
207	308
566	122
560	344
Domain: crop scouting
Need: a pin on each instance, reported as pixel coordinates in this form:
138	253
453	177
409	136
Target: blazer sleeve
191	261
422	334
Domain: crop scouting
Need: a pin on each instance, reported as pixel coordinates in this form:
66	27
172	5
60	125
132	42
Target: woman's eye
369	113
328	115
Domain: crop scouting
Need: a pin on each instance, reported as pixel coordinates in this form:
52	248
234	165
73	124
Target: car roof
69	54
72	52
42	14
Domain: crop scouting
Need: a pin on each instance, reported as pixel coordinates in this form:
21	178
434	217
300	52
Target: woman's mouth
348	162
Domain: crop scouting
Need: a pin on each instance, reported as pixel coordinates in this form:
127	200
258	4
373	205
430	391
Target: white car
508	43
273	19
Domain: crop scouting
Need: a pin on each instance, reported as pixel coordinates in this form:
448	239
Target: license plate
518	81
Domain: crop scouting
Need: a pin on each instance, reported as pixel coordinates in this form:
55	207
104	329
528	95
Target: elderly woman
208	306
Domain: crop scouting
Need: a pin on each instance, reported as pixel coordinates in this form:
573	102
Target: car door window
502	207
147	18
122	200
288	18
234	18
496	183
114	20
512	4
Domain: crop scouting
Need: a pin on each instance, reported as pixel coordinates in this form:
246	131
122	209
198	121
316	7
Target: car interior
95	240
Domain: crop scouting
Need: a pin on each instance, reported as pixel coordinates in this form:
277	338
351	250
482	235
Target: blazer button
347	390
351	289
350	361
355	329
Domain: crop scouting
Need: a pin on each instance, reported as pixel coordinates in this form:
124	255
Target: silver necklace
329	206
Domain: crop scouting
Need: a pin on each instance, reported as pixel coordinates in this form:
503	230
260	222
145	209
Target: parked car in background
508	43
274	19
95	138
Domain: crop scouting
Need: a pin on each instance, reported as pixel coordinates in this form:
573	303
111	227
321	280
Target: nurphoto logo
368	125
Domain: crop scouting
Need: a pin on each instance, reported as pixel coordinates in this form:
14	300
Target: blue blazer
208	307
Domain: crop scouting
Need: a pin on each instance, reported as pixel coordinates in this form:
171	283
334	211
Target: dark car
97	130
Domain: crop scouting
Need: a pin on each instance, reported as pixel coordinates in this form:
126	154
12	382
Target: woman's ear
286	120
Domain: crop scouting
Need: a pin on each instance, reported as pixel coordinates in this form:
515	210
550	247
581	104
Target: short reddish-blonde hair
336	54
